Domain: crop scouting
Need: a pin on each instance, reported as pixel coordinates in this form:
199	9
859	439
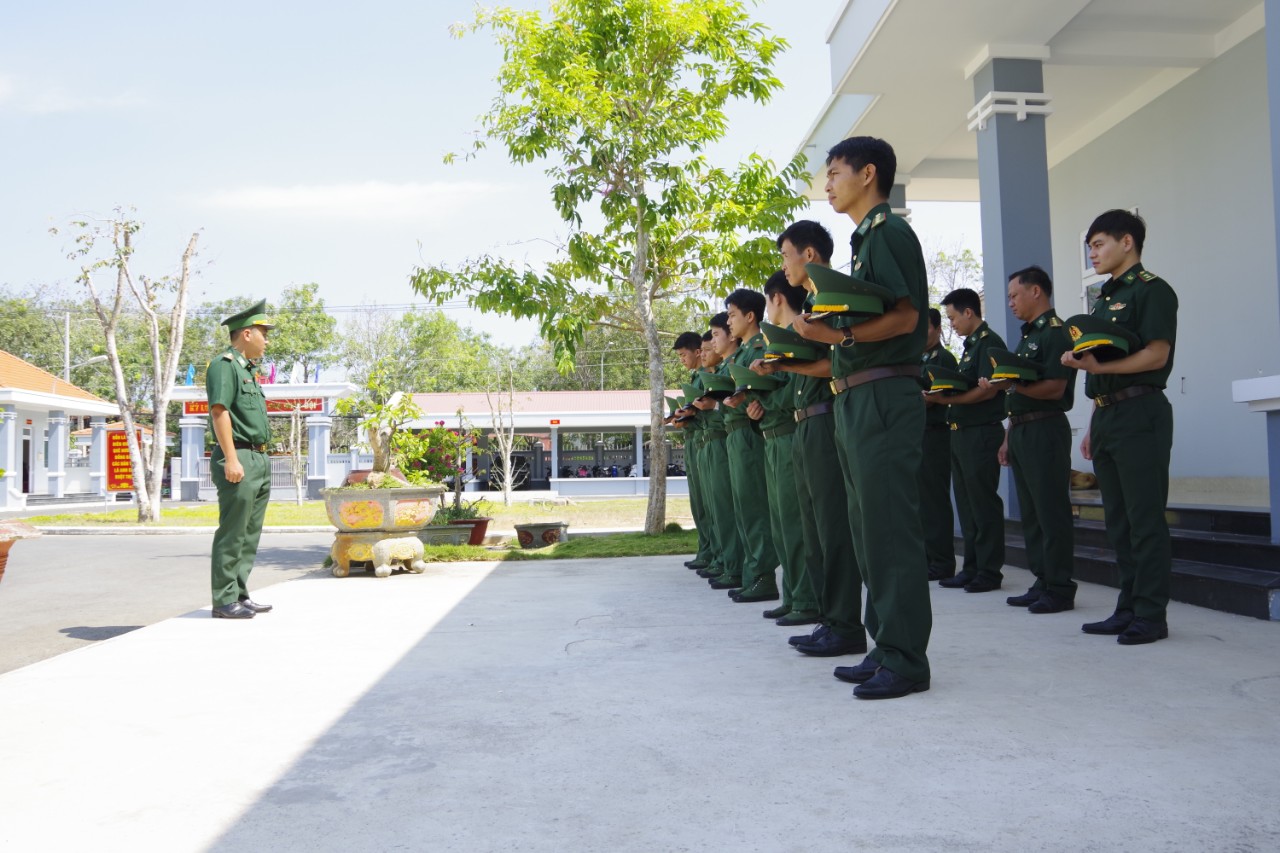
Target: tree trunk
655	516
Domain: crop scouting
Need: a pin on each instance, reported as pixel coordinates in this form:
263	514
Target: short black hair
1117	223
935	318
859	151
706	336
747	301
778	283
807	234
688	340
962	298
1034	275
720	321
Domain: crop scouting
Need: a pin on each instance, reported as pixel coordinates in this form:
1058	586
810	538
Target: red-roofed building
35	435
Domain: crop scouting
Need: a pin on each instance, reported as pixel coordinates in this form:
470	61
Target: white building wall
1196	163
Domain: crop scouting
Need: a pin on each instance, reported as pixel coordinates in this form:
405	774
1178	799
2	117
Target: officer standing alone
239	465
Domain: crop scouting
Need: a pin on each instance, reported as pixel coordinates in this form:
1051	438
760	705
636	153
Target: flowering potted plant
440	453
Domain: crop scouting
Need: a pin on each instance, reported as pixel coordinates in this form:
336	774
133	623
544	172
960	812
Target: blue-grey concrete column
1273	465
1271	13
473	485
640	450
98	457
191	430
555	452
319	430
9	458
1013	185
59	444
898	200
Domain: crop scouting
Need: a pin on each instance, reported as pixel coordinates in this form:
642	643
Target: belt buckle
1101	402
834	389
797	415
954	427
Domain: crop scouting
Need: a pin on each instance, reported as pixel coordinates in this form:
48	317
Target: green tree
304	333
621	99
947	271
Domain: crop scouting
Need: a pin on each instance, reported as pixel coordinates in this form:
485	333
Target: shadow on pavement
97	632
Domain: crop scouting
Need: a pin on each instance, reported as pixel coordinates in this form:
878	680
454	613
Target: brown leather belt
1014	420
1123	394
873	374
813	411
244	445
785	429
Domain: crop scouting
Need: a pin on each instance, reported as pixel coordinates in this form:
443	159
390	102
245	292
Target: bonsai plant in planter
440	453
384	506
464	514
11	532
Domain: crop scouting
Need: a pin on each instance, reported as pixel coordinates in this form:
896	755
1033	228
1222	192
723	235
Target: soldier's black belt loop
1123	394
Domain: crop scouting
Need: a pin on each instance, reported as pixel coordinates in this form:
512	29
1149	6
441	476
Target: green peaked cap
255	316
747	379
945	379
1105	338
840	293
1008	365
716	386
783	343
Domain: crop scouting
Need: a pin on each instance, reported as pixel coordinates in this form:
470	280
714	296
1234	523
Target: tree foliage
620	99
303	333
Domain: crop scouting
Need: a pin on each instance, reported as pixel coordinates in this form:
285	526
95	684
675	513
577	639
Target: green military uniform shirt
1146	305
231	381
939	356
974	364
746	353
886	251
1044	340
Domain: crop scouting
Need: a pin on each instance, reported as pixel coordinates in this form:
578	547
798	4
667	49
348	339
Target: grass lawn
607	513
583	547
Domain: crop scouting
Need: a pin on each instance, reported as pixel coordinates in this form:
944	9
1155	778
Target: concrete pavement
623	706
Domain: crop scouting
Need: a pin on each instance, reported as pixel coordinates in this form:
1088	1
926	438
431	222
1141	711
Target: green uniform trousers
1040	454
745	448
935	499
824	515
241	509
692	466
879	427
719	503
784	521
975	475
1130	442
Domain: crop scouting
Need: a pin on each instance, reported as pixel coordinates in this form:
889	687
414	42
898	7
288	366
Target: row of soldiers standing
840	473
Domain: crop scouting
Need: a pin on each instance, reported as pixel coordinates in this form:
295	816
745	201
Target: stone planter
542	534
444	534
479	526
11	532
379	526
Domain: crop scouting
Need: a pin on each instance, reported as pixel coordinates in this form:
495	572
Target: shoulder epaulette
879	220
1147	275
229	356
1054	322
984	334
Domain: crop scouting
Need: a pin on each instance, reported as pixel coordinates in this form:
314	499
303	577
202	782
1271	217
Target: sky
306	143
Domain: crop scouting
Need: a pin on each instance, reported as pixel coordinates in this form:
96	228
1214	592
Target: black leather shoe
1141	631
777	612
1113	624
749	596
886	684
255	606
1050	603
799	617
731	583
818	634
857	674
707	573
957	581
1027	599
981	585
694	564
234	610
831	644
937	573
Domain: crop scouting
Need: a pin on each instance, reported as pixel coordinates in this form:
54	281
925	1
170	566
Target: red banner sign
119	468
283	406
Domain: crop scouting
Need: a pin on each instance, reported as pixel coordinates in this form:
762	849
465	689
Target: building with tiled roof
35	412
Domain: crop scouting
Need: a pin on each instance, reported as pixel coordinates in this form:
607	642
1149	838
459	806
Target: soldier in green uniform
1038	444
880	420
744	309
239	465
1131	433
829	555
776	413
935	464
688	348
725	571
975	417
